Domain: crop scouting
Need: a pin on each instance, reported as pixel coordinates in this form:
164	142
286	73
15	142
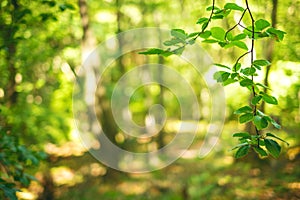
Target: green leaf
278	34
242	151
248	71
179	33
229	81
240	145
218	33
242	134
262	85
65	6
210	41
240	44
273	122
178	51
261	24
255	100
211	7
193	34
221	76
261	63
246	82
270	119
222	44
152	51
260	122
245	109
234	75
269	99
205	34
50	3
237	66
202	20
273	147
156	51
239	37
218	17
191	41
223	66
260	151
246	118
278	138
229	36
172	42
233	6
204	26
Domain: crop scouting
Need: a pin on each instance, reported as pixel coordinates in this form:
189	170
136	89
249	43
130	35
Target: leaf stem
244	12
209	20
252	60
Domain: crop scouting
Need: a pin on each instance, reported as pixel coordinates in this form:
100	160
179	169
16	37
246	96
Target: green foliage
14	160
244	75
33	106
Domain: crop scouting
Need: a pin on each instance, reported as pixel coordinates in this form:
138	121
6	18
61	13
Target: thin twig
209	20
235	24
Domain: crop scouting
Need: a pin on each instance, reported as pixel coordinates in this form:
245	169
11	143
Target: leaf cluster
14	159
237	73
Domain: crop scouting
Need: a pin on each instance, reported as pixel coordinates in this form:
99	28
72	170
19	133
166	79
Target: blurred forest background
42	46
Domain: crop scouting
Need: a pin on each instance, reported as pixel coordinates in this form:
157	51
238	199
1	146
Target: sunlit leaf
205	34
233	6
202	20
229	81
237	66
261	62
156	51
278	34
193	34
218	17
221	76
240	37
210	8
210	41
152	51
218	33
261	24
248	71
240	44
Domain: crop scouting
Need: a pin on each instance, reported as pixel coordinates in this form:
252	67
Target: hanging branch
238	73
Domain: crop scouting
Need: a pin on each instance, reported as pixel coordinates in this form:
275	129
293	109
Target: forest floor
217	176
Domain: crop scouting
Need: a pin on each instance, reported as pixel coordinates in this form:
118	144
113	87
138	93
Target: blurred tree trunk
88	45
11	45
270	49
